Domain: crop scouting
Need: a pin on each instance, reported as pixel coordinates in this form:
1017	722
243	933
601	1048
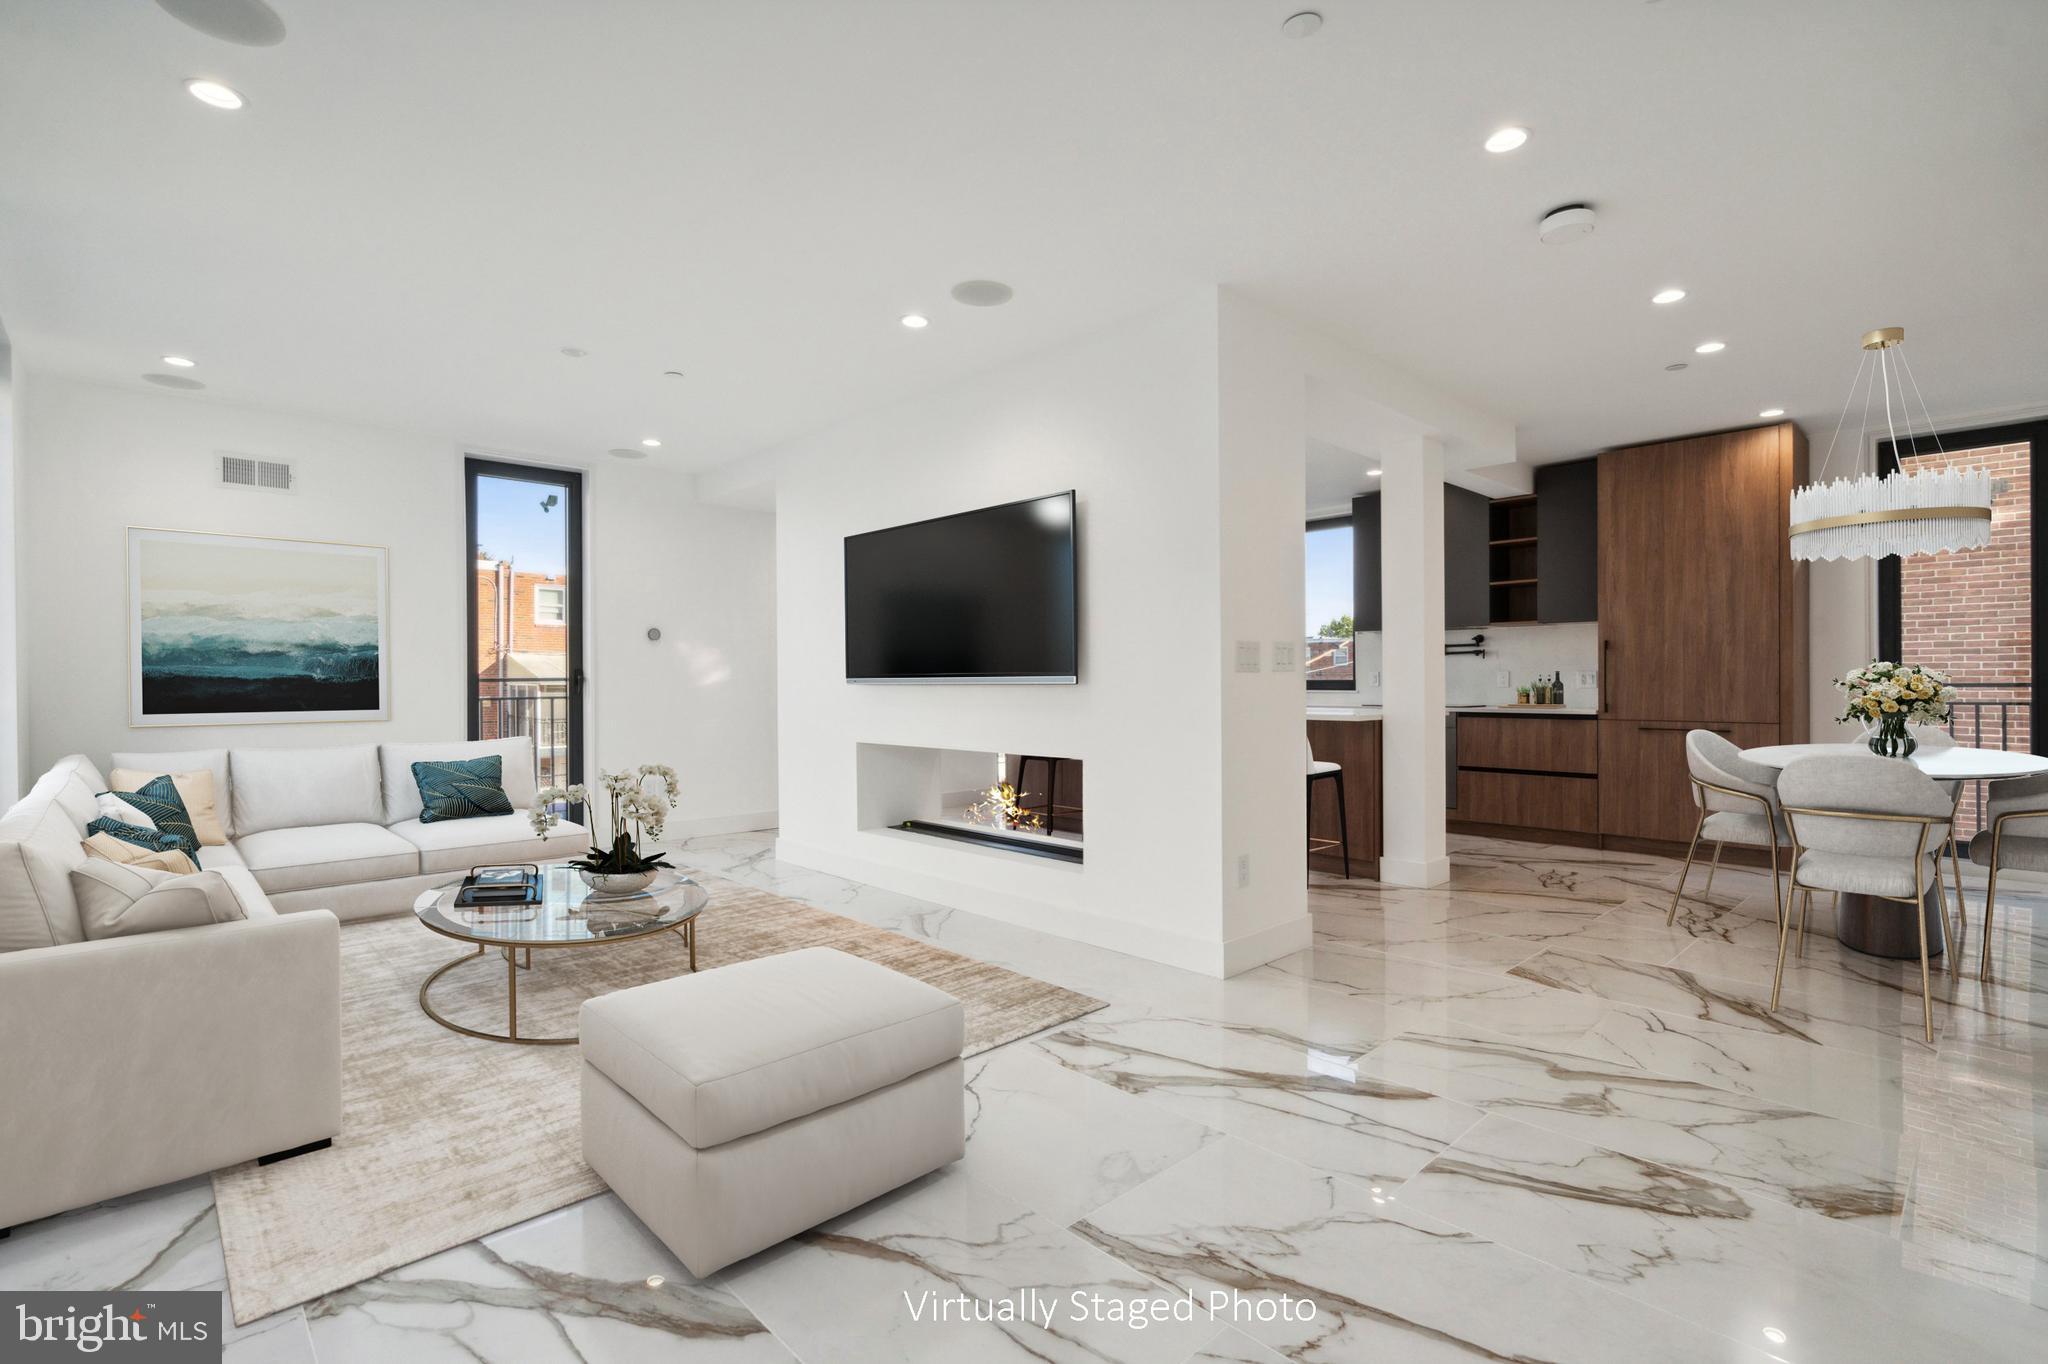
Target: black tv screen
983	596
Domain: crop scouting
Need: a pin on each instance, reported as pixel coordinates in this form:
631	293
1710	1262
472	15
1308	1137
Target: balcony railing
535	708
2001	722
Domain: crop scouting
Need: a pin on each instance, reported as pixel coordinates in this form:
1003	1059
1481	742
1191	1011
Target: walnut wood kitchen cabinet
1529	775
1355	746
1702	615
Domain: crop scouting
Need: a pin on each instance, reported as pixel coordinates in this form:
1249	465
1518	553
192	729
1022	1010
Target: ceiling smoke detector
1567	223
982	293
1306	24
249	23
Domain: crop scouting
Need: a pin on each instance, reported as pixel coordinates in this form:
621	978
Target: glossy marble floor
1515	1117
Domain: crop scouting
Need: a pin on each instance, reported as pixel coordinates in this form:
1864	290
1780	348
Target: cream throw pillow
117	901
194	788
120	850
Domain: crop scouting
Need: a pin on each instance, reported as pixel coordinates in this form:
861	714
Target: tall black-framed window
523	574
1328	658
1994	711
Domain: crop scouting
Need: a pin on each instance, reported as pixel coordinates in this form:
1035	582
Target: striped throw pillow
464	789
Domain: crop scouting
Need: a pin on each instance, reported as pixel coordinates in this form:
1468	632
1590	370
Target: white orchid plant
636	814
1891	695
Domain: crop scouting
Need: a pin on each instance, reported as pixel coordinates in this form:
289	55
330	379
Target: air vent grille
263	475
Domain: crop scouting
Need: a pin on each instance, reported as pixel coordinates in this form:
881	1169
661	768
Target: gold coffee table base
687	931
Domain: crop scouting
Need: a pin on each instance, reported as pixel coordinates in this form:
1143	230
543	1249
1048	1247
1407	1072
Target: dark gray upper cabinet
1465	531
1466	526
1568	541
1365	561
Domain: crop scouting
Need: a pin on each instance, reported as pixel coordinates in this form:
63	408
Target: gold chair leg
1990	894
1777	892
1784	932
1686	870
1805	908
1955	863
1712	867
1920	922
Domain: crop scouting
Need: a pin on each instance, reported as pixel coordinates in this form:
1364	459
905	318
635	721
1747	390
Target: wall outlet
1283	655
1501	678
1244	870
1373	680
1587	679
1247	655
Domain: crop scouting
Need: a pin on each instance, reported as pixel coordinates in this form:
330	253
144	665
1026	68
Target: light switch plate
1247	655
1591	679
1244	870
1375	680
1501	678
1283	656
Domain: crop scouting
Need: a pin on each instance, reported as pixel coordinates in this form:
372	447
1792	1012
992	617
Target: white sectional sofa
133	1061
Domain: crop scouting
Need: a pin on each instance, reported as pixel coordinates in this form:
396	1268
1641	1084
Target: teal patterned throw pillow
464	789
156	840
159	800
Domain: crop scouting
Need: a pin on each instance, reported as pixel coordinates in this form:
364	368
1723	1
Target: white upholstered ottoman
735	1108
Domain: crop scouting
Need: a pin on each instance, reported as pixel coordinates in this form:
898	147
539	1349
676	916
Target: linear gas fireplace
1027	804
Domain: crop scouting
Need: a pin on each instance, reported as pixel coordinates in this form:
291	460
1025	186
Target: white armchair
1738	803
2017	838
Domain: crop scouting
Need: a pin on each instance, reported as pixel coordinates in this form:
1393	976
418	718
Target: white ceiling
422	203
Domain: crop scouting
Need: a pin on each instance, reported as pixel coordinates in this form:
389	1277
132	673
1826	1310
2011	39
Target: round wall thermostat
653	632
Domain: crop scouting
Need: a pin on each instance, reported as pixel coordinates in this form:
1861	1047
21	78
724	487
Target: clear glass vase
1893	738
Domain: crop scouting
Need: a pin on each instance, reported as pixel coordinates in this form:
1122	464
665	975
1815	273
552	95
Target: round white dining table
1875	926
1951	762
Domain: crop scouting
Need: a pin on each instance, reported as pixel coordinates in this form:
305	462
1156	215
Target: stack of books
499	887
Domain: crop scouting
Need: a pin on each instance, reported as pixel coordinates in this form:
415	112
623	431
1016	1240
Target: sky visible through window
1329	576
511	525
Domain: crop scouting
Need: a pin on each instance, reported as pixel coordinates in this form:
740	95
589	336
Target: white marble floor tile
582	1284
1750	1269
1838	1169
1060	1142
1826	1011
1414	995
1387	1283
164	1238
918	1274
1274	1090
1235	1347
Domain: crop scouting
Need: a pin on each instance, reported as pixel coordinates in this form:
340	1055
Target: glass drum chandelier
1933	511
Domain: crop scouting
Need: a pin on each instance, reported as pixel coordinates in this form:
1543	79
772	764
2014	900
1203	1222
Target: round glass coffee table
568	915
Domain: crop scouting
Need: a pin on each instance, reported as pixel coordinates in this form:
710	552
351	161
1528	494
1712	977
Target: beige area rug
447	1138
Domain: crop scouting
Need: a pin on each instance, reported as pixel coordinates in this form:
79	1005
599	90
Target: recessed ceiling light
1709	347
1372	473
214	93
627	452
916	321
1507	139
178	381
651	443
1667	296
1774	1335
1772	412
982	293
1303	25
574	352
178	362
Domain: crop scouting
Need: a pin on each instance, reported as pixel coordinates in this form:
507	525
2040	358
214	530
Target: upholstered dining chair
2015	837
1865	825
1738	803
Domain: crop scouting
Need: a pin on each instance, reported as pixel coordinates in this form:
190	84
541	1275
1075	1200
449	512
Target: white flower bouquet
1887	697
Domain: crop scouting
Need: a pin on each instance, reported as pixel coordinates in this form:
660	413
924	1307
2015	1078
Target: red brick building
1970	614
522	660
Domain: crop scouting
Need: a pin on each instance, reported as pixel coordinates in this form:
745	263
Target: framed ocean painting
243	630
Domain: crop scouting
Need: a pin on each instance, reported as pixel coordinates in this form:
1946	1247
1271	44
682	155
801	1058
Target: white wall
1128	419
11	775
96	460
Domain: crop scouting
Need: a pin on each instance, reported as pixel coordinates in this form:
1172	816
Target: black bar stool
1322	771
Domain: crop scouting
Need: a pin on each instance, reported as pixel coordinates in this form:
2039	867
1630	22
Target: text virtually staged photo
1182	682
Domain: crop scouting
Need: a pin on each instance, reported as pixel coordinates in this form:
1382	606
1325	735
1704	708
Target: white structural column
1412	662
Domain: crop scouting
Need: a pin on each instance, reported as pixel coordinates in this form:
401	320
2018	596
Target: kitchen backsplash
1523	652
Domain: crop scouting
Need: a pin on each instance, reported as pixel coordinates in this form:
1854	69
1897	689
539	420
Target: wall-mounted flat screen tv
982	596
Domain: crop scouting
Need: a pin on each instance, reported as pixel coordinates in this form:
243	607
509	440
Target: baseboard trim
1401	871
721	824
1268	944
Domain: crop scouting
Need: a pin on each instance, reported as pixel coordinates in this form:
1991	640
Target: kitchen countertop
1374	713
